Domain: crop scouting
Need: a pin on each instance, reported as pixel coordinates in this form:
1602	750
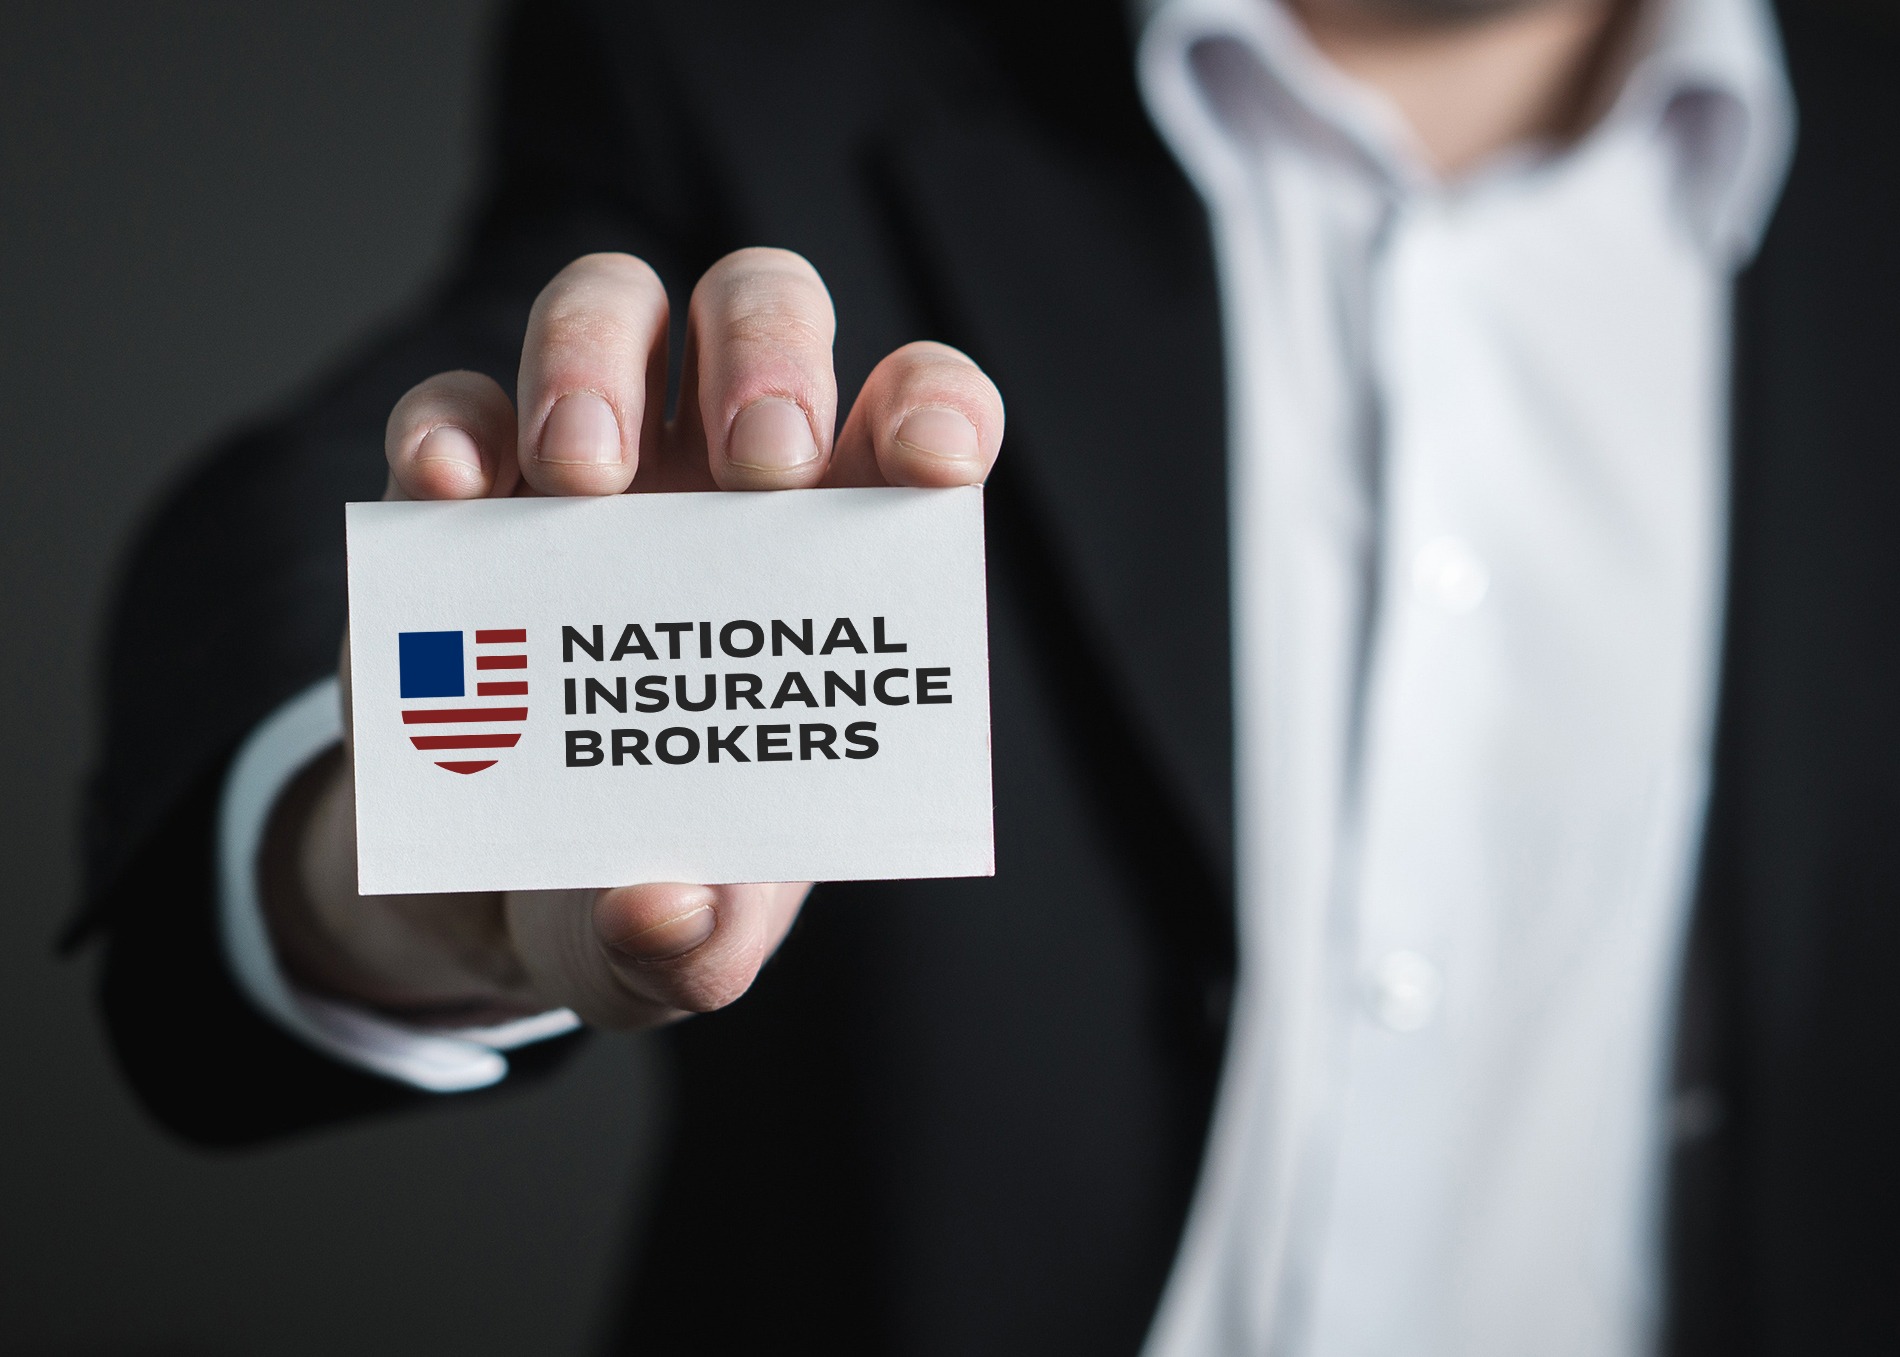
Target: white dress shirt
1478	454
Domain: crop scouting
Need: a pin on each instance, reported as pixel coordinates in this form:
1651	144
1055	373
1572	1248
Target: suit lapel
1081	279
1803	863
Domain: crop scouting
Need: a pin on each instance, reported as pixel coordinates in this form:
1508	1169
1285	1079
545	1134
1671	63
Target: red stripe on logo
516	689
440	715
501	661
496	638
465	741
474	766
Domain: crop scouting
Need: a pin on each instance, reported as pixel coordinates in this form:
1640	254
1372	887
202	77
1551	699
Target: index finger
451	437
592	389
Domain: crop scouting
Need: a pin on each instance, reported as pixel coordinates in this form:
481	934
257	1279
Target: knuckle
428	394
765	322
770	298
478	389
607	302
938	374
579	329
462	396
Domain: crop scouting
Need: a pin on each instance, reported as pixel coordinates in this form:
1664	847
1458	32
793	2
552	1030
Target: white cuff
432	1059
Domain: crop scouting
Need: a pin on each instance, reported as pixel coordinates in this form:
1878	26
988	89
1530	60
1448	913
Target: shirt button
1448	574
1405	990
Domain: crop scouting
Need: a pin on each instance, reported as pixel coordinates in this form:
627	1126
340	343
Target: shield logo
460	735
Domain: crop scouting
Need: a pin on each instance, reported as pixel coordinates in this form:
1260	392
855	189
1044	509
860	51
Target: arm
231	600
267	792
234	601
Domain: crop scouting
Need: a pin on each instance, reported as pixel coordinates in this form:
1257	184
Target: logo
436	710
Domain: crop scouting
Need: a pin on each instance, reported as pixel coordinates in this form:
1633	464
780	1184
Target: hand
758	404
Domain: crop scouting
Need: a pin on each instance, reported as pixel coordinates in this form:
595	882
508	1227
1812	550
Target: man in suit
1431	719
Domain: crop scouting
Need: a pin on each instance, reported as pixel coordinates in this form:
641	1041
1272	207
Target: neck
1472	84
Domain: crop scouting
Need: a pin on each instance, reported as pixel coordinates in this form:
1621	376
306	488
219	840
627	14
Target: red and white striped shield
460	734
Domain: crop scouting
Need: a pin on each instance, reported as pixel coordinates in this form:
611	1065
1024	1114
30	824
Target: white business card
552	693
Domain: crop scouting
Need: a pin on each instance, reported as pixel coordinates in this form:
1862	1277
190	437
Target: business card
558	693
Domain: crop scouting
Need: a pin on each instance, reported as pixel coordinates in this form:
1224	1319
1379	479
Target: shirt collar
1714	78
1216	74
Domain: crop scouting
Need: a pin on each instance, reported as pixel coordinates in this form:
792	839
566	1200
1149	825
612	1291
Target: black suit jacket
966	1116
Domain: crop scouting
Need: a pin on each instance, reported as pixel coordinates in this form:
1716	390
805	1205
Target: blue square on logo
431	663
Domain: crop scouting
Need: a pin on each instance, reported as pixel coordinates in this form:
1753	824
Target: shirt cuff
433	1059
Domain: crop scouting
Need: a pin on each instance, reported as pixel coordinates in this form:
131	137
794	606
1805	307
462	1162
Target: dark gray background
200	205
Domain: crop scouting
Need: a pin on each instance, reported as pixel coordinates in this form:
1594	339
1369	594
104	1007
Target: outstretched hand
757	407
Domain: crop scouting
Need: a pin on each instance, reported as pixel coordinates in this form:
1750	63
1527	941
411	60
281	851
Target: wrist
429	960
296	865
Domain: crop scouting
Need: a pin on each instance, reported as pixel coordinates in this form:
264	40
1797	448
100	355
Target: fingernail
446	443
771	435
939	432
580	431
673	938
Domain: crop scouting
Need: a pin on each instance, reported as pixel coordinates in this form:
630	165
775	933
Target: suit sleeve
232	598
